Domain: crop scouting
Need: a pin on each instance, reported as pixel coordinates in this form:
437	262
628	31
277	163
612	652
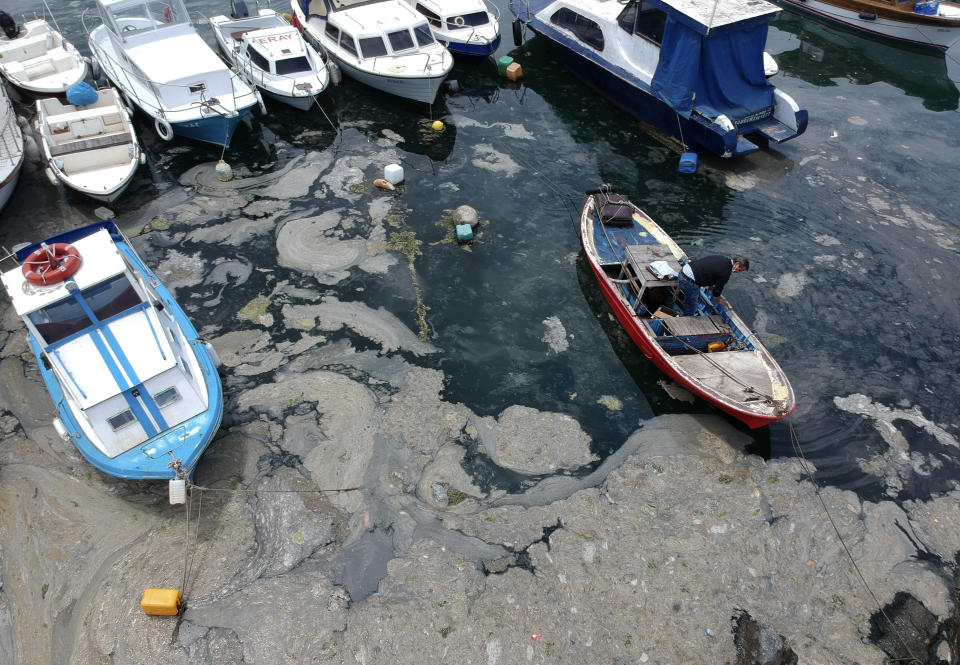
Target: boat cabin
371	29
453	15
132	18
118	356
278	50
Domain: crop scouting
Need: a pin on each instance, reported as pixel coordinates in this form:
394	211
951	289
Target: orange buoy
50	264
716	346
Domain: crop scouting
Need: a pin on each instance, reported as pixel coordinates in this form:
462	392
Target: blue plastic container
688	162
464	233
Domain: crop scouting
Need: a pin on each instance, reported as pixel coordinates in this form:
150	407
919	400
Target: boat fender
178	491
143	158
51	176
223	171
868	16
713	347
61	429
50	264
334	71
214	356
164	130
94	68
263	107
517	32
725	123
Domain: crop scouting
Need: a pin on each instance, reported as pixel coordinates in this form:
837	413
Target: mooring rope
804	463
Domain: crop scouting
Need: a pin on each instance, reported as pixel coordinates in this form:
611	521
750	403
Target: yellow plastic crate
161	602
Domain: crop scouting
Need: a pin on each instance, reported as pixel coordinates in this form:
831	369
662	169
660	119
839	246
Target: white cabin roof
709	13
101	260
277	43
455	7
375	18
176	58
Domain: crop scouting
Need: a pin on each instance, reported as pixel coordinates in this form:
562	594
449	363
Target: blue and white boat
136	390
152	53
694	70
468	28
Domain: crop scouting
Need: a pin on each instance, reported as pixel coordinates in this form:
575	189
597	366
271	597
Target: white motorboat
91	148
466	27
36	59
271	54
696	71
11	148
384	44
152	53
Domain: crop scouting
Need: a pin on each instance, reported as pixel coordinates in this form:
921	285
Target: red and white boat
713	354
932	23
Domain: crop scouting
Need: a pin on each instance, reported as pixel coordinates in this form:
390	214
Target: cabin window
372	47
333	32
60	320
423	35
584	29
258	60
467	20
121	420
400	40
432	18
347	44
643	19
293	65
112	297
166	397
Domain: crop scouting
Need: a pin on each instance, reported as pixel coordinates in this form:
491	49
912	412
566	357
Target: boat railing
11	140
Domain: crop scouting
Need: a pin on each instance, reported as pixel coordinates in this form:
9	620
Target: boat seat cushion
92	143
614	209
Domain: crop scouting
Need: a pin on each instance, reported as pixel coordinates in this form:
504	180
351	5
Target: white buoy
178	491
224	172
393	173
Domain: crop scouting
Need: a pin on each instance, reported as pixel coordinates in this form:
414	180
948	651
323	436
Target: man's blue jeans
691	294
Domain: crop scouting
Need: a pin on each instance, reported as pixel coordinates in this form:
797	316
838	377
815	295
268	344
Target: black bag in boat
614	209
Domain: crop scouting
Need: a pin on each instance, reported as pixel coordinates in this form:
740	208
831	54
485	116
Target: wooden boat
930	23
381	43
11	148
271	54
713	354
136	390
91	148
152	53
692	70
37	60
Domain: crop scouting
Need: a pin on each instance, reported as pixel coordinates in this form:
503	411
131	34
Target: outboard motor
9	26
239	9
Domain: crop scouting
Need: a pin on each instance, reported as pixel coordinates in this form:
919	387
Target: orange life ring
50	264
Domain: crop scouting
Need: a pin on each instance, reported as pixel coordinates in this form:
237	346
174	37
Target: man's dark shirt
712	271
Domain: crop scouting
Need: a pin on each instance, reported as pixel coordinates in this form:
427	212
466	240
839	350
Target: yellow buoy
161	602
437	126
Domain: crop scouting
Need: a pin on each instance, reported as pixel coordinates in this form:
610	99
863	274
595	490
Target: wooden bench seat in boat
92	143
679	326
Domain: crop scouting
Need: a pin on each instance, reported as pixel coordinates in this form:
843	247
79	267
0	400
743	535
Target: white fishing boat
36	59
11	148
136	391
466	27
91	148
271	54
693	69
152	53
382	43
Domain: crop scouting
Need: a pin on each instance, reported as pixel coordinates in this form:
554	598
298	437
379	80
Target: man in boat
711	271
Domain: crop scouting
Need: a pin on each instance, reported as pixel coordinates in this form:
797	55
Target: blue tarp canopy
717	72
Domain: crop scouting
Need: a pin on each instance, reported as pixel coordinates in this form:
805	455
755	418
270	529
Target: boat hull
642	337
470	50
9	183
917	29
419	89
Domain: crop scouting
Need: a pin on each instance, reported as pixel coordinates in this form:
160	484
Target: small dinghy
271	54
713	353
89	143
11	148
36	59
137	392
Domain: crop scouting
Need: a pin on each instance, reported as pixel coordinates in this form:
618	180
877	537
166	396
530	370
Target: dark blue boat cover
721	71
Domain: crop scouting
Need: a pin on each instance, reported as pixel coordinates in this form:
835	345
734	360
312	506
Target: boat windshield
68	317
293	65
135	16
463	21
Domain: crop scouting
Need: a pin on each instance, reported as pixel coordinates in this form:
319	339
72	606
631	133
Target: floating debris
380	183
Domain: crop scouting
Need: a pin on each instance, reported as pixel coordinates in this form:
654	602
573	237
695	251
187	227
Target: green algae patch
160	224
360	188
611	402
254	309
405	242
